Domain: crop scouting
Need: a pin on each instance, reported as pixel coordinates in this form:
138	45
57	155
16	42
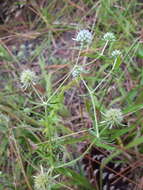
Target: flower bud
116	53
84	37
109	36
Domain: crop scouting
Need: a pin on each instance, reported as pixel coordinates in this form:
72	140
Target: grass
50	127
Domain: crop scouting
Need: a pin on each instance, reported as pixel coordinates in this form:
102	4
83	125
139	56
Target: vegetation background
51	131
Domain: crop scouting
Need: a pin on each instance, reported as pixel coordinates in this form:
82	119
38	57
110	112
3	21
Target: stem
102	52
105	76
75	160
66	77
37	94
100	55
49	136
21	163
94	110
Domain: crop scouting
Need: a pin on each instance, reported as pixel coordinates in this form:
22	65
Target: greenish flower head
84	37
116	53
41	181
113	117
44	180
109	36
28	78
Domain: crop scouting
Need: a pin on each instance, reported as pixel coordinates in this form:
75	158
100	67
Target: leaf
133	108
118	63
140	53
105	146
76	178
135	142
119	132
4	55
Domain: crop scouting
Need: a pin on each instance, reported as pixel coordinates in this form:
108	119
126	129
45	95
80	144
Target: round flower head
109	36
41	181
27	78
113	117
116	53
44	181
78	70
84	37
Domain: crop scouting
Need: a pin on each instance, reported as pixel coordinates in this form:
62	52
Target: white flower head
84	37
116	53
113	117
28	78
78	70
109	36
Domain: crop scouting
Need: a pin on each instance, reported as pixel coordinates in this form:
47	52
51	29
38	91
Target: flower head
27	78
113	116
44	180
84	37
109	36
116	53
78	70
41	181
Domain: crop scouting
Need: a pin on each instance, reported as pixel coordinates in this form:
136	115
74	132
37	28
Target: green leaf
135	142
133	108
76	178
4	55
119	132
140	53
118	63
105	146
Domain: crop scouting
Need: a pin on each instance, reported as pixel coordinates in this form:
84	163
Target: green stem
94	110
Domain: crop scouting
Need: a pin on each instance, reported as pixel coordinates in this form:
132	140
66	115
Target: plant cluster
87	93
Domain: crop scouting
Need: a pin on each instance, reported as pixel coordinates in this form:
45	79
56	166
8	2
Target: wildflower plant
28	78
84	37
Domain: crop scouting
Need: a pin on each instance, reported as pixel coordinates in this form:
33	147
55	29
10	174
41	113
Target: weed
77	121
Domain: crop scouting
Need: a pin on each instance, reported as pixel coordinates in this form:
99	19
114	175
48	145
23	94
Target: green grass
43	126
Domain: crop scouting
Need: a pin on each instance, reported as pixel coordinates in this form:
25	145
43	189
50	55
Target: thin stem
21	163
65	136
100	55
75	160
105	76
37	94
102	52
65	78
94	110
50	137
